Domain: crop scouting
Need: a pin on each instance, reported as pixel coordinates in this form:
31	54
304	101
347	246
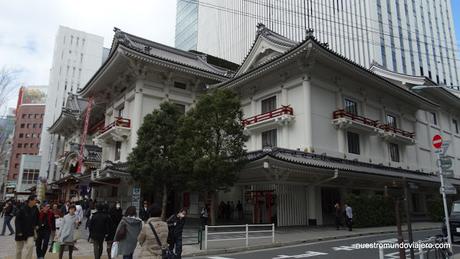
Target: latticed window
269	138
269	104
351	107
353	143
394	152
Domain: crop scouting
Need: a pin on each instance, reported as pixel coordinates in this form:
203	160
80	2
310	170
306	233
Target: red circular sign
437	141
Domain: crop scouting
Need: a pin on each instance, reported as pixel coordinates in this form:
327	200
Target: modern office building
415	37
77	56
28	127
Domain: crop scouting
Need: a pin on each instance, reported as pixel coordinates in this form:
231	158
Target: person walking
116	214
45	227
26	223
8	215
338	215
204	217
67	232
99	228
176	227
127	233
57	214
239	208
349	216
154	234
143	213
65	208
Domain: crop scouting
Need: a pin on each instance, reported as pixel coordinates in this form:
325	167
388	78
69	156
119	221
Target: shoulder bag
165	252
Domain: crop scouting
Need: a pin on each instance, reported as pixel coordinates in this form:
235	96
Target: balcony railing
283	110
373	123
344	114
389	128
119	122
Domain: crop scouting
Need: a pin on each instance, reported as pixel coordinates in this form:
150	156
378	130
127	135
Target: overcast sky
28	28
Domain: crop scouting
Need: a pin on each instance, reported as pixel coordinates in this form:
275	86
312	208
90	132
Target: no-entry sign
437	141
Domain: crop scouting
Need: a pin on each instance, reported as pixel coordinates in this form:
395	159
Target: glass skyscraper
186	25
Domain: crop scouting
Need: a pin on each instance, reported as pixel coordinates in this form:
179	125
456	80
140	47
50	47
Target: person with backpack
26	223
176	227
127	233
154	235
8	213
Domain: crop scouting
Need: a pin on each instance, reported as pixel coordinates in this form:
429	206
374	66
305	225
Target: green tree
211	144
152	162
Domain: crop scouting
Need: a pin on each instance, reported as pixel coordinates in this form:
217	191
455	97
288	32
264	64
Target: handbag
76	234
114	250
165	252
122	232
56	248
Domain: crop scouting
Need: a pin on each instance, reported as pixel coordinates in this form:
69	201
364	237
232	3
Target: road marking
307	254
346	248
219	257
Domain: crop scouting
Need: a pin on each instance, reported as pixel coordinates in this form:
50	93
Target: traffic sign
437	141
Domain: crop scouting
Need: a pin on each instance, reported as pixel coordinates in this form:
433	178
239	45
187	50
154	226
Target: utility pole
402	251
408	218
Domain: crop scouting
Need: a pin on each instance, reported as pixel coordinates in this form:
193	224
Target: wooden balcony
118	130
344	120
281	116
390	133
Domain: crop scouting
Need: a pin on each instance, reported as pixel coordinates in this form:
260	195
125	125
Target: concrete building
7	125
28	177
415	37
76	57
28	126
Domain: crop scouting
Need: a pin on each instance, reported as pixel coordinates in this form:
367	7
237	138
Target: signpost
136	198
443	168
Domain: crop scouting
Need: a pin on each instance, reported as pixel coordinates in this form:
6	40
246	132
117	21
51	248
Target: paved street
336	249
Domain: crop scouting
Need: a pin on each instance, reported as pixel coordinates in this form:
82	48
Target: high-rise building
415	37
28	126
77	55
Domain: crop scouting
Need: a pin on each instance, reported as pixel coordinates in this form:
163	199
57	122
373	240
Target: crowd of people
55	227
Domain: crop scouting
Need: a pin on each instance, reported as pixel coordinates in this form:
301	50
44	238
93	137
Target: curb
290	243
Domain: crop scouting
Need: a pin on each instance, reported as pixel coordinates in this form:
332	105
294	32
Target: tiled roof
324	161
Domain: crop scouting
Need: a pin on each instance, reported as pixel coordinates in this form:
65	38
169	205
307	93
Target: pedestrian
127	233
349	216
26	223
239	208
338	215
8	215
67	232
57	224
99	228
204	217
154	234
46	224
143	213
176	227
116	214
79	212
65	208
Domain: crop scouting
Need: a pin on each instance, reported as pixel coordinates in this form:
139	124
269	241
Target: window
117	150
180	85
269	104
40	126
24	116
36	116
21	135
28	125
34	125
38	145
29	116
394	152
19	145
26	145
351	106
353	143
120	111
17	155
27	135
455	123
391	121
22	125
434	119
41	116
16	166
81	57
269	138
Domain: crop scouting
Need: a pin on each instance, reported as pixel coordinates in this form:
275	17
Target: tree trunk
164	202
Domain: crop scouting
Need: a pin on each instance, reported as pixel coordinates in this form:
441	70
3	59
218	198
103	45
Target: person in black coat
116	214
143	212
26	223
176	227
99	228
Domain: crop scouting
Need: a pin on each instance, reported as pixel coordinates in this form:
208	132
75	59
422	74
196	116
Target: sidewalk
283	237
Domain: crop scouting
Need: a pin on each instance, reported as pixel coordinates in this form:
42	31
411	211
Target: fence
238	231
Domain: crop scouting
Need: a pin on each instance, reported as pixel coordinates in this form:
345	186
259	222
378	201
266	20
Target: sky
28	28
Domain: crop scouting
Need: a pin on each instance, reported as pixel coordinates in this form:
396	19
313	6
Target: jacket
176	226
67	231
99	226
47	222
26	222
129	243
150	248
115	217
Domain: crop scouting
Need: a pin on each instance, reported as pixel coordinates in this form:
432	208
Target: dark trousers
7	223
337	222
204	222
128	256
349	223
41	244
176	247
98	247
61	251
109	249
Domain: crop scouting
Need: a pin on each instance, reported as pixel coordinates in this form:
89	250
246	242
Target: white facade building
77	55
415	37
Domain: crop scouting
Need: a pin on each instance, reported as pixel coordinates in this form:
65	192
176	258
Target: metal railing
268	115
245	230
119	122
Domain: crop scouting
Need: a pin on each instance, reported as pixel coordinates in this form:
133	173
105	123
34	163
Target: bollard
247	235
420	250
206	237
381	255
273	233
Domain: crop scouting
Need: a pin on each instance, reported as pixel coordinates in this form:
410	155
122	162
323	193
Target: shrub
373	211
